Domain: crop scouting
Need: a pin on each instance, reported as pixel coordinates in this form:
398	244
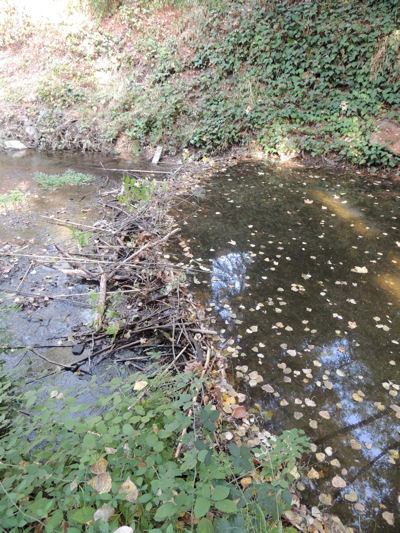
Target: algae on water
69	177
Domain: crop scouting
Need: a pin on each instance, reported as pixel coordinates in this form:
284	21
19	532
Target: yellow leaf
246	482
140	385
313	474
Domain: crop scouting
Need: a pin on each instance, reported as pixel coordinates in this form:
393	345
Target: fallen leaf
99	467
246	482
338	482
104	513
388	517
239	412
129	489
140	385
101	483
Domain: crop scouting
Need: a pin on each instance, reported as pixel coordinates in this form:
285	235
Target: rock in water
78	349
14	145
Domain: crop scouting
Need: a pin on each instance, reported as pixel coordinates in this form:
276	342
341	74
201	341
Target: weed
82	237
11	199
69	177
59	466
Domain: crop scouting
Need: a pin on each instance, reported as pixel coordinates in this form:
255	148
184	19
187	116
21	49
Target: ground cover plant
301	77
292	78
75	467
11	199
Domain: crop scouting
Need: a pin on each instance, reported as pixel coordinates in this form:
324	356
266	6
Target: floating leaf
360	270
338	482
351	496
355	445
388	517
313	474
310	403
325	499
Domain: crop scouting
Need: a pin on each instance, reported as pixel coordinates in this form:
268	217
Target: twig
137	170
101	304
24	276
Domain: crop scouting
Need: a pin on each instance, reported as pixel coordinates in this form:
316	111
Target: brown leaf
101	483
129	489
99	467
239	412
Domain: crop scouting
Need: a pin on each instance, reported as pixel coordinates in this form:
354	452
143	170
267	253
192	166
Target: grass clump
70	467
69	177
11	199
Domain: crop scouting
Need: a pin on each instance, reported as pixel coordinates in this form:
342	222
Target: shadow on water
305	282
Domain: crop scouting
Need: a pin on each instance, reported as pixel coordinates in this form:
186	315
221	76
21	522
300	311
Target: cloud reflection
228	279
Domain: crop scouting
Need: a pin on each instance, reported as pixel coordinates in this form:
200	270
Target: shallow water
305	284
39	305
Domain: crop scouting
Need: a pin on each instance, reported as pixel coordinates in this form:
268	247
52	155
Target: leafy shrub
64	462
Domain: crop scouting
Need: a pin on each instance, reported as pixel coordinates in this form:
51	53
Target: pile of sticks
143	310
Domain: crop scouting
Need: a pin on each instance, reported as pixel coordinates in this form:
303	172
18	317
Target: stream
39	304
303	283
304	286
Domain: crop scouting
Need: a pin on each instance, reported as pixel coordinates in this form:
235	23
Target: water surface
305	279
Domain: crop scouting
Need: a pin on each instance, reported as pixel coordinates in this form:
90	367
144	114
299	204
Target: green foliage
59	93
8	200
102	8
65	461
135	191
9	400
298	76
69	177
82	237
